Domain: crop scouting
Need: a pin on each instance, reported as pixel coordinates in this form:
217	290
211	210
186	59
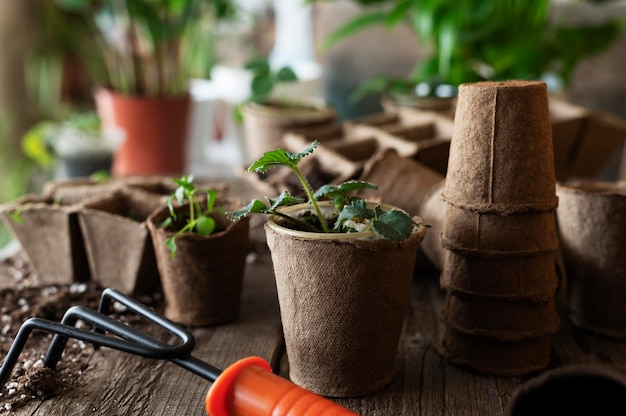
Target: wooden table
116	383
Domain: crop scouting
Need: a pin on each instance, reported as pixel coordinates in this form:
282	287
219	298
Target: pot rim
324	206
308	107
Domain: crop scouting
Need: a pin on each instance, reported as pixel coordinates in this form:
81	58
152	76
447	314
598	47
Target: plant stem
312	200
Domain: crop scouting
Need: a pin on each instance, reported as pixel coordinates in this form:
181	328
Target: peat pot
202	284
343	298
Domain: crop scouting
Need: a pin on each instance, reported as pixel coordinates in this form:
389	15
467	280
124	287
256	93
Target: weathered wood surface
425	384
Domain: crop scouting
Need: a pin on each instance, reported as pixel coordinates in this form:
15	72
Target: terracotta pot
265	125
202	284
343	298
155	132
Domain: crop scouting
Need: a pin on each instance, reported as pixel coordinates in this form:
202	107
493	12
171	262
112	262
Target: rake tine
66	331
148	346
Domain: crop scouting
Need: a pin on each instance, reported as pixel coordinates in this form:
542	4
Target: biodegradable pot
202	284
532	277
505	320
582	389
78	190
155	132
591	224
343	298
395	175
495	356
118	243
433	210
487	232
50	236
501	153
265	125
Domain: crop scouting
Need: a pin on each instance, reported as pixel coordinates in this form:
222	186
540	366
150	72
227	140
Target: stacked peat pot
500	233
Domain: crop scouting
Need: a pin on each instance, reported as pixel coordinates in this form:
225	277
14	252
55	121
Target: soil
30	380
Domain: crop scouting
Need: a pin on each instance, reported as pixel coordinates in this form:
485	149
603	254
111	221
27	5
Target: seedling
196	220
354	215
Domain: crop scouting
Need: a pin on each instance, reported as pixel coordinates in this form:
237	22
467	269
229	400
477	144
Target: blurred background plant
153	47
474	40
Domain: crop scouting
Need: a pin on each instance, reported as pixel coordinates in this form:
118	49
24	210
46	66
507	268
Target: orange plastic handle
249	388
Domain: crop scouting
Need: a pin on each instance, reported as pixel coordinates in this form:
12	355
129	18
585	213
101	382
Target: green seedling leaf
280	157
199	221
343	189
255	205
284	199
170	243
354	215
204	225
394	225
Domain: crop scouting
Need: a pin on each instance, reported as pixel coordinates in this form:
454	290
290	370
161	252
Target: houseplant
74	147
149	53
268	115
343	270
474	40
200	254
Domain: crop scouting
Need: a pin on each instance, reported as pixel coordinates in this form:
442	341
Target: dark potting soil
30	380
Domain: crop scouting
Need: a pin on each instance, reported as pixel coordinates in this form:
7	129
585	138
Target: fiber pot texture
49	234
343	298
202	285
117	240
591	223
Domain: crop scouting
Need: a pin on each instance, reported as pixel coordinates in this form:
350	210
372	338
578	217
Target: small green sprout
197	220
353	213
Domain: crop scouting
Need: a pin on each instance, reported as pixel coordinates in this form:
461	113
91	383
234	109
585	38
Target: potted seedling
343	269
268	114
200	255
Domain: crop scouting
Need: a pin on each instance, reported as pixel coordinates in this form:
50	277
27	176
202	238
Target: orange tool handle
249	388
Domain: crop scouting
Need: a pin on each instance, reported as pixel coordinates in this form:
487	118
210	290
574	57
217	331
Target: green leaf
262	86
204	225
166	223
279	157
255	205
340	193
211	198
353	26
259	66
356	211
399	13
170	243
394	225
286	74
284	199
